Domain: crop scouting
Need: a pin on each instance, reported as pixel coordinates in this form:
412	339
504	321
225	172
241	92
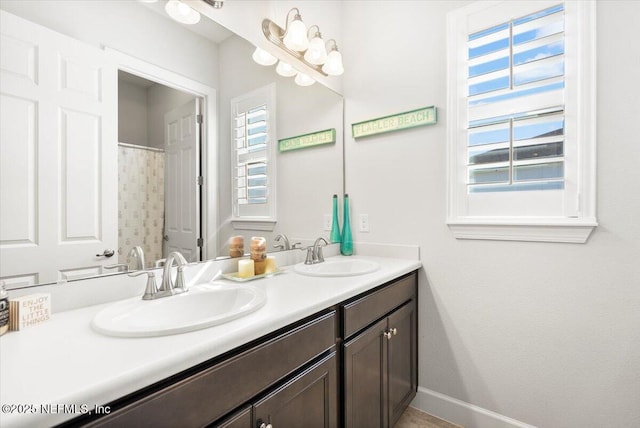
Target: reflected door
182	189
58	163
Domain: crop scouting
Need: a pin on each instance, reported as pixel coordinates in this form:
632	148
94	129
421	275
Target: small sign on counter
27	311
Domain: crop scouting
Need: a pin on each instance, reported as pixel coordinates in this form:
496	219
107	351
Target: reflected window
253	135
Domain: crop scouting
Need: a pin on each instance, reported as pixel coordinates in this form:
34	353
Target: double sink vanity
324	345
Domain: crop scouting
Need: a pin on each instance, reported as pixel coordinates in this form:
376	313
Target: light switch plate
327	222
364	223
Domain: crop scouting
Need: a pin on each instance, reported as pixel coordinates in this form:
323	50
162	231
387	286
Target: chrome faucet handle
309	260
151	289
180	284
295	246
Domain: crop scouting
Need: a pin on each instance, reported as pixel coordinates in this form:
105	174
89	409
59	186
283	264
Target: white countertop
63	362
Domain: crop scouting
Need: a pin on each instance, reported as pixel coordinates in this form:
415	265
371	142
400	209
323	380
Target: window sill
254	224
571	231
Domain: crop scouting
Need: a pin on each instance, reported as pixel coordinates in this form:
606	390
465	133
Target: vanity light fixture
333	65
285	69
307	47
182	12
317	52
217	4
304	79
263	57
295	33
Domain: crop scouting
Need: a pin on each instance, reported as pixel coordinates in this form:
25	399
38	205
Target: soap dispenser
335	227
346	245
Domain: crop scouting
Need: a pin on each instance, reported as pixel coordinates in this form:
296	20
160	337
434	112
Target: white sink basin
202	306
338	267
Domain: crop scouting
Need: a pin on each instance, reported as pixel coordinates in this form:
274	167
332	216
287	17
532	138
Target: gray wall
547	334
132	114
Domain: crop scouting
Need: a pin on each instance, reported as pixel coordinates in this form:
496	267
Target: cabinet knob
387	335
394	331
263	425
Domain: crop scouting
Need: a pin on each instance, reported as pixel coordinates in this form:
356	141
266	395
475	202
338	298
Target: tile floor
413	418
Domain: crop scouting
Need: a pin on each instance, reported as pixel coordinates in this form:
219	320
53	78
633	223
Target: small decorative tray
234	276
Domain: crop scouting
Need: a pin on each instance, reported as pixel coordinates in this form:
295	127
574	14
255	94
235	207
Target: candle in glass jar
245	268
270	265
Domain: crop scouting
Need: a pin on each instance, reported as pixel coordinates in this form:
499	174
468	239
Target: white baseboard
460	412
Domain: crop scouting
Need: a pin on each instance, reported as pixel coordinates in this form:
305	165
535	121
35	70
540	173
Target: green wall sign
395	122
308	140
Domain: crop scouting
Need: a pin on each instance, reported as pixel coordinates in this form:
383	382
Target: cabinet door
402	372
309	400
240	419
365	362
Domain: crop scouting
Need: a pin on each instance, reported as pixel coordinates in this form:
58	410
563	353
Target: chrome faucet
314	253
137	254
168	287
285	244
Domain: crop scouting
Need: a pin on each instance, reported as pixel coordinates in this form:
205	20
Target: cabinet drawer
362	312
207	396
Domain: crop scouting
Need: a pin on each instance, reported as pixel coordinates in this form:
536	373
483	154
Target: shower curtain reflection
140	201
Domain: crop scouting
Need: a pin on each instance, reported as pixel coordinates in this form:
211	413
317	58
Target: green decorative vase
346	244
335	227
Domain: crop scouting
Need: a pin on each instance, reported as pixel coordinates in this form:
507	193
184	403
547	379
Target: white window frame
263	216
579	217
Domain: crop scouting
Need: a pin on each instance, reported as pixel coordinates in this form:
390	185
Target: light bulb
296	36
333	66
304	80
181	12
183	9
285	69
317	53
263	57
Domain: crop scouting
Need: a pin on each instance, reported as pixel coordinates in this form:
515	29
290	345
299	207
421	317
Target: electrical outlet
364	222
327	222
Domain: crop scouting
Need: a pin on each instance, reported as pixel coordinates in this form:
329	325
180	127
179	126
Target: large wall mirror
150	182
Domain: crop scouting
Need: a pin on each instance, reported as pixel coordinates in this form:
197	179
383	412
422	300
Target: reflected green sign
308	140
395	122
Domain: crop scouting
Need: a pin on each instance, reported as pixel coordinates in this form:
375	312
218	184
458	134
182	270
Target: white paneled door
58	160
182	191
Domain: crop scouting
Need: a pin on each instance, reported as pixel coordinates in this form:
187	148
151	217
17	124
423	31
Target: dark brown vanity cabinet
308	400
352	365
380	355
